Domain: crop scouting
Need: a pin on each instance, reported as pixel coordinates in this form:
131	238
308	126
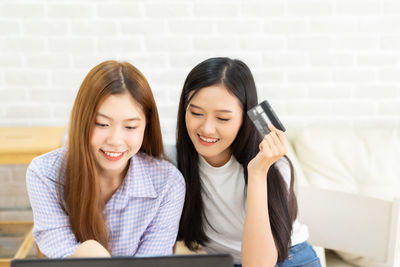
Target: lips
207	141
112	156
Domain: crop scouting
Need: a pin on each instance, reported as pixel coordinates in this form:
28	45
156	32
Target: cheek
141	134
189	124
135	139
97	137
231	131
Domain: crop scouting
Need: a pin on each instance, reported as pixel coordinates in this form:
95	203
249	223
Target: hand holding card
261	115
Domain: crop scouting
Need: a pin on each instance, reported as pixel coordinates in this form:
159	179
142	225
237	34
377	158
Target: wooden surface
26	245
19	145
13	227
4	263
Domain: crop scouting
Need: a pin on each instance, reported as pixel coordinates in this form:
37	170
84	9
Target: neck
110	178
110	182
219	160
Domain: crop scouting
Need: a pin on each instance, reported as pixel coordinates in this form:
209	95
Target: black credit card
261	115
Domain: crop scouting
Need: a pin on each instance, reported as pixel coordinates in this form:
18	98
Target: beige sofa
348	189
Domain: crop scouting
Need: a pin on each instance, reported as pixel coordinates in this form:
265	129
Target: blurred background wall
331	62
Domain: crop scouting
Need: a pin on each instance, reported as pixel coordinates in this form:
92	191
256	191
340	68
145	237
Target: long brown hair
81	195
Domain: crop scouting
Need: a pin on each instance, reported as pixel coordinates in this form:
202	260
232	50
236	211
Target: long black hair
282	205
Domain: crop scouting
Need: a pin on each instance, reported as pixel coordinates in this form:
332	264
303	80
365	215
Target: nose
208	127
115	137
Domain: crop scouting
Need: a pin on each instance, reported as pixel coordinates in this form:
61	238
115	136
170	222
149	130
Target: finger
280	141
280	147
280	135
265	148
271	144
275	138
264	145
272	127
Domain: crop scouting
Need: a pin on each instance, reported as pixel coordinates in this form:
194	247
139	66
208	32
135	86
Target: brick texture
333	62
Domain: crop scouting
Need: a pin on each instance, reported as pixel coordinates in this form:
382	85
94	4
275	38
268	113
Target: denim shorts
300	255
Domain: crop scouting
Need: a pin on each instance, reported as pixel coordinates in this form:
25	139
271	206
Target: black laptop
216	260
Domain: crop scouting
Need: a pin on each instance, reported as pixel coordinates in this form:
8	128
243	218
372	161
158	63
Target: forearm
258	246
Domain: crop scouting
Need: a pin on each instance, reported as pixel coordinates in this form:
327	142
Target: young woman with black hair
239	185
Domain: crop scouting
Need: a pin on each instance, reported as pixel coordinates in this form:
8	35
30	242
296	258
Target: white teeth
209	140
113	155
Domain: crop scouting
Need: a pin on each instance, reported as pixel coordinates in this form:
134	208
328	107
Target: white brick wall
318	62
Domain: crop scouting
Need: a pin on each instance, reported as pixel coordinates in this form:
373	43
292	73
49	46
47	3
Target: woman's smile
113	156
207	141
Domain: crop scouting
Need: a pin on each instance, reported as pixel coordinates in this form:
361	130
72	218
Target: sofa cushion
363	161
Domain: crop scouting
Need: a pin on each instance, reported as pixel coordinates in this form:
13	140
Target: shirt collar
204	165
137	182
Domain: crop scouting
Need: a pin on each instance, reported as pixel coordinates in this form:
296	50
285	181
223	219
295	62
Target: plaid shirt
142	216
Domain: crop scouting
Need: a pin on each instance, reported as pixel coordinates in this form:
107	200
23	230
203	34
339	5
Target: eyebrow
219	110
107	117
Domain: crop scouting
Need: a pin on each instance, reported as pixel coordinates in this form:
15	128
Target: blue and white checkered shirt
142	216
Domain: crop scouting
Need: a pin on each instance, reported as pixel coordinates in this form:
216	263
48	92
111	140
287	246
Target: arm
160	236
258	245
52	230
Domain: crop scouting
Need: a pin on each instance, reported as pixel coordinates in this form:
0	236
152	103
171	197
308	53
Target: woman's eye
131	127
195	114
101	124
223	119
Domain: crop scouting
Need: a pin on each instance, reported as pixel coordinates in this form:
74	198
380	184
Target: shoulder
161	171
48	165
43	174
51	157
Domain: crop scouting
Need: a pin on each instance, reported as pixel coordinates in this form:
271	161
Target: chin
207	154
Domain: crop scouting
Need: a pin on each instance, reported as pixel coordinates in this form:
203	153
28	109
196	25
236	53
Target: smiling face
213	119
117	134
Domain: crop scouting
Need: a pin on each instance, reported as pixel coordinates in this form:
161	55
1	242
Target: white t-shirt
224	206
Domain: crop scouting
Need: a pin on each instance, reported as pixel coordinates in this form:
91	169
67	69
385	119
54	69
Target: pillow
363	161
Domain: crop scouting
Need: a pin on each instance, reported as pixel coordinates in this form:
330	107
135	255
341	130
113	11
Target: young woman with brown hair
109	191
